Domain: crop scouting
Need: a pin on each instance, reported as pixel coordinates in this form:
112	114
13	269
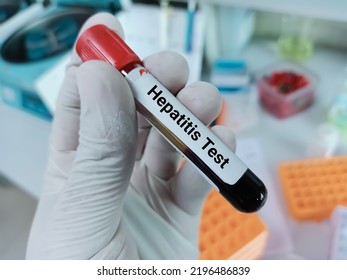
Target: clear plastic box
276	100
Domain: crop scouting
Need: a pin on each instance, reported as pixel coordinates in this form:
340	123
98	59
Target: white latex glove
113	189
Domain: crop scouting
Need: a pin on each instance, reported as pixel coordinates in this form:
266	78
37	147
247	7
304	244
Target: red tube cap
101	43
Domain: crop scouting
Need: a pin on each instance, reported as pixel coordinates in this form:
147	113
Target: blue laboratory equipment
38	45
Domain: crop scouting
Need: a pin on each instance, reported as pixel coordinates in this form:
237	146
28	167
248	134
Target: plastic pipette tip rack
226	233
338	246
314	187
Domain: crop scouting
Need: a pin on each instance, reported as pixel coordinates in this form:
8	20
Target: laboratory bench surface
24	150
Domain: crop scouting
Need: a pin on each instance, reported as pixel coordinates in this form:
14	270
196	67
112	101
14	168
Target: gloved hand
114	188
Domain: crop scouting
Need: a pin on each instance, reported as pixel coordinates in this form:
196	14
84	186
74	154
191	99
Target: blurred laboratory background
281	68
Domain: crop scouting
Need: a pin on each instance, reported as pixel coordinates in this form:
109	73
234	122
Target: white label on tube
185	126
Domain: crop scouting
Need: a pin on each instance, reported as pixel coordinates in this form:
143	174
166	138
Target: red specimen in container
287	82
285	92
